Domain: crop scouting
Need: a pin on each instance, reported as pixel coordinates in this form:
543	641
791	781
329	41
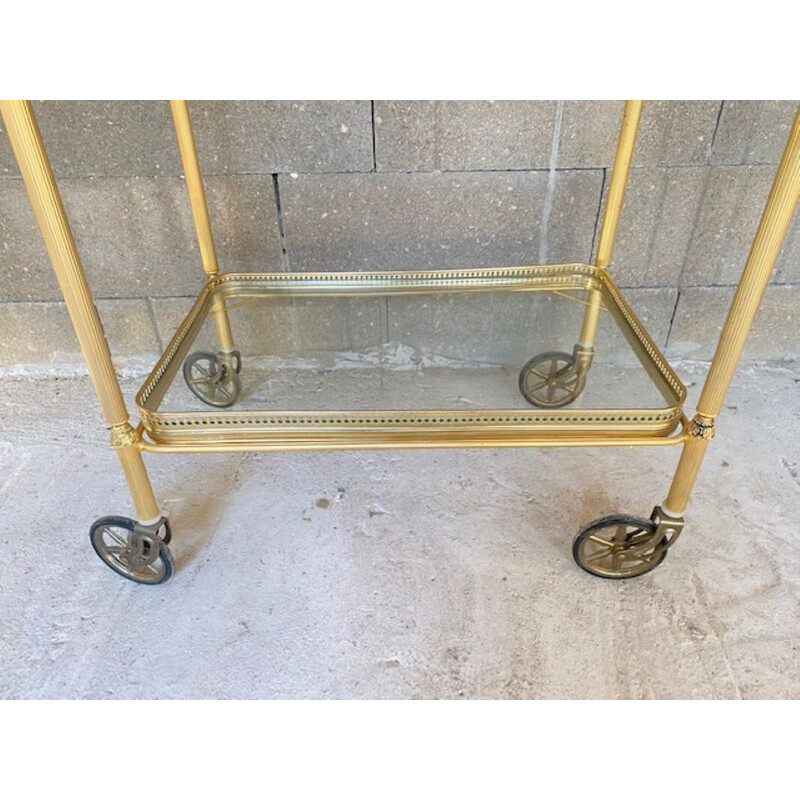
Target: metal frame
645	549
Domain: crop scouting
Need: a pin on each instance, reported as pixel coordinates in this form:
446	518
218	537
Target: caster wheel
550	380
618	547
213	378
131	550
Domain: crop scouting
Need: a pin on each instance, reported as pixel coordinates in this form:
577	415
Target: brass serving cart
554	402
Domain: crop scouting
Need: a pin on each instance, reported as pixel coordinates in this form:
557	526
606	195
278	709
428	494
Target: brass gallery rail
618	546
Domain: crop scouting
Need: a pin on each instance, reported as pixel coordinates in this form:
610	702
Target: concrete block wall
396	185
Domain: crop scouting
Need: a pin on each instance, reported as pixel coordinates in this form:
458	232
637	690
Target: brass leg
202	223
555	379
616	197
620	546
194	184
137	550
619	180
224	366
125	442
772	229
43	192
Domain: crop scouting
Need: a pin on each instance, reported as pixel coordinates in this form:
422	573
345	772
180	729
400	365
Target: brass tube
40	183
764	252
130	457
354	443
685	475
194	184
219	312
616	197
202	223
590	319
769	237
619	180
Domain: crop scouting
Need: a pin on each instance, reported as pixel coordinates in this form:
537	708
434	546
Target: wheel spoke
123	543
536	387
601	556
563	371
204	383
197	366
622	547
622	532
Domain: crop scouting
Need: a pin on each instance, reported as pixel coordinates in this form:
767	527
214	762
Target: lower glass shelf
486	357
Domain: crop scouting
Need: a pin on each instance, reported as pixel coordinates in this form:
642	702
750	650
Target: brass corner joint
123	436
701	427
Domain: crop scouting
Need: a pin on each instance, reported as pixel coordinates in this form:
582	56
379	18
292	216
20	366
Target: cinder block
675	132
137	139
463	135
244	220
25	272
671	133
753	131
8	166
42	334
118	138
405	135
460	135
136	237
657	224
701	313
440	220
283	136
726	224
589	131
285	325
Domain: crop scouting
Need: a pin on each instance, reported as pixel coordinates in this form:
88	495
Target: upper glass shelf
331	354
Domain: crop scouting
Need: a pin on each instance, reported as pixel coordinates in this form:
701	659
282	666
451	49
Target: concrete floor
408	574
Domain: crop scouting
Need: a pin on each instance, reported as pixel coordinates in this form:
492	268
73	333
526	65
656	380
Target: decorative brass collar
701	427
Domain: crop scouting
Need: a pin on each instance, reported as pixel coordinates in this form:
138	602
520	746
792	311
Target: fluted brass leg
125	442
29	150
772	229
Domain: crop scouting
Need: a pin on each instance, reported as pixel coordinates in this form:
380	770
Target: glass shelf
427	358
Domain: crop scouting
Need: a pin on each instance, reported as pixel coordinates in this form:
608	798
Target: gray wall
359	185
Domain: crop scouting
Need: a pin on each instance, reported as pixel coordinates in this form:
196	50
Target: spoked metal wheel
134	551
213	378
550	380
619	547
